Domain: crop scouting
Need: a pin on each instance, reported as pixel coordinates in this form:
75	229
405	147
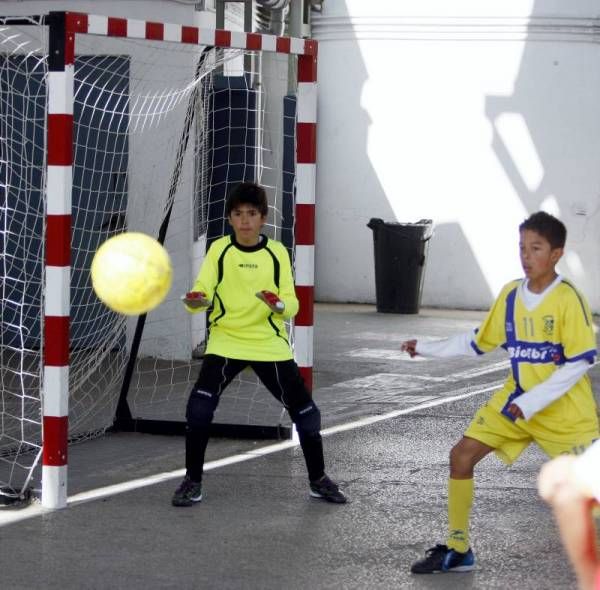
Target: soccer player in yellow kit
246	330
545	326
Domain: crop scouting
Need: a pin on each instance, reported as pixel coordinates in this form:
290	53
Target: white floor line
423	406
10	517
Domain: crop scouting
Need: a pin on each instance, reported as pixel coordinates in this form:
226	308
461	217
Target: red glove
271	300
195	299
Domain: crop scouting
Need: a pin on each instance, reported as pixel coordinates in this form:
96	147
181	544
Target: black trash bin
400	251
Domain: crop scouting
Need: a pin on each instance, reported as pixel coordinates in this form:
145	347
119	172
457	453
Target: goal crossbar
64	28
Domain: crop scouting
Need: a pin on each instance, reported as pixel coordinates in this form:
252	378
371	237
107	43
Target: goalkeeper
247	278
545	325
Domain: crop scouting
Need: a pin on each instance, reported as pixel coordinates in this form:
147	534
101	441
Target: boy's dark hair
548	227
247	193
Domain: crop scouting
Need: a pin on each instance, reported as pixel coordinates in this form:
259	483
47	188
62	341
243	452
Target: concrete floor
257	528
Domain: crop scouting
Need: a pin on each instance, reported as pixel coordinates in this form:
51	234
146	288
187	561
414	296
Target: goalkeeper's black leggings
281	378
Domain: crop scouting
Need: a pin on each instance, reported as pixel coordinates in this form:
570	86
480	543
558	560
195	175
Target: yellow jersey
240	325
557	330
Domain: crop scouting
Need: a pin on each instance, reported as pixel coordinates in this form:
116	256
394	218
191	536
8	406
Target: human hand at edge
556	479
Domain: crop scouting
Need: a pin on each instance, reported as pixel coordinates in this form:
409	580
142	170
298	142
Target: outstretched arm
458	345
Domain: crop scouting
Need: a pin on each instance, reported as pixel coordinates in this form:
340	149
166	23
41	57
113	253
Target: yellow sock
460	500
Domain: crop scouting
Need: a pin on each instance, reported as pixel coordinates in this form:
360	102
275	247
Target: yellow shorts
509	439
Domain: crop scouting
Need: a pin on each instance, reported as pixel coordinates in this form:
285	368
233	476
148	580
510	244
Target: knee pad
308	419
200	408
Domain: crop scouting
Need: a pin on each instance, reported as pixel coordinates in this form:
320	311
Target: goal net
165	121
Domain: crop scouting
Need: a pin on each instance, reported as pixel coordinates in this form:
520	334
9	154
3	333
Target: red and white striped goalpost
306	163
55	423
63	28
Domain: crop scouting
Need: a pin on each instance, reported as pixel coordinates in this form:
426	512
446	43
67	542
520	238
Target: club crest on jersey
548	328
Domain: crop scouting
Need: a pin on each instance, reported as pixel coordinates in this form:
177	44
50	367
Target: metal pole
296	18
220	15
249	16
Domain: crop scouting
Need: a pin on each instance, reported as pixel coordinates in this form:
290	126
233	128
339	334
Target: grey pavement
257	528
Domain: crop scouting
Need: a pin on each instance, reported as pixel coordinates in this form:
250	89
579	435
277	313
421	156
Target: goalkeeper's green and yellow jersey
241	326
556	331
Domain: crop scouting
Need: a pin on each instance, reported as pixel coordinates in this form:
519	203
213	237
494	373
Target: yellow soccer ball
131	273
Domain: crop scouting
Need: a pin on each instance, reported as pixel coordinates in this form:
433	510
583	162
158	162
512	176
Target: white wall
472	114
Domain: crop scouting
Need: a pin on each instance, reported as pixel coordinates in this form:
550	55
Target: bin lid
423	225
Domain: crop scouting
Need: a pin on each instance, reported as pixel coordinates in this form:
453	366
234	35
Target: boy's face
538	258
247	222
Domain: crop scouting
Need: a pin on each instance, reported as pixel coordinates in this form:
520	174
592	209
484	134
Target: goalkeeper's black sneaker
442	559
327	490
188	493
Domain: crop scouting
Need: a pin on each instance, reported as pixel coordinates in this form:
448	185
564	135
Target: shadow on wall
539	85
449	237
344	253
352	140
546	134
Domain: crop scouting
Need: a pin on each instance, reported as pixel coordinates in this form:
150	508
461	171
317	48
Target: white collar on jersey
530	299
